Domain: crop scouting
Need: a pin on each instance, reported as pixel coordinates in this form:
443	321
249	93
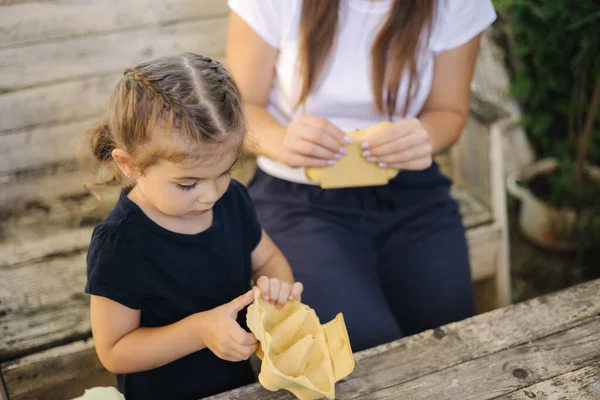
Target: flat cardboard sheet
353	170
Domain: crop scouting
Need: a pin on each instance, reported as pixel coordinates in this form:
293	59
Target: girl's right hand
312	141
224	336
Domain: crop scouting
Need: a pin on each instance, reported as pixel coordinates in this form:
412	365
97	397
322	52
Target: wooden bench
46	101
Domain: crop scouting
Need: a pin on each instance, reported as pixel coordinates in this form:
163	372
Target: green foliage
556	59
554	55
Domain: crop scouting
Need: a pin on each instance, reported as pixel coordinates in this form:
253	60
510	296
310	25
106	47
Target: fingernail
383	165
347	139
364	145
265	297
331	162
371	159
366	153
344	150
338	156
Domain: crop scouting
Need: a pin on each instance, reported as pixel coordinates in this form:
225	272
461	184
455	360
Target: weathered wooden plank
27	333
41	146
70	101
484	244
435	350
64	241
474	212
502	273
40	221
471	161
57	374
581	384
9	2
87	56
43	283
42	185
502	372
48	308
44	21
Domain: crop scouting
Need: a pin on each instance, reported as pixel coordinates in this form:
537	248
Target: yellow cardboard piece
298	353
353	170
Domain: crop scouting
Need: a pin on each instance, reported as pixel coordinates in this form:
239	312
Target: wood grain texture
60	373
43	21
49	307
57	103
39	147
581	384
66	241
483	242
43	185
87	56
471	161
501	373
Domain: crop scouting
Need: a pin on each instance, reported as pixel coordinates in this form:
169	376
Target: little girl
170	268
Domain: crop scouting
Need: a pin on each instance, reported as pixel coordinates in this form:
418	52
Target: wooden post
498	195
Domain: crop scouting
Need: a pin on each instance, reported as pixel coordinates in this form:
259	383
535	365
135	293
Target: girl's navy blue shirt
169	276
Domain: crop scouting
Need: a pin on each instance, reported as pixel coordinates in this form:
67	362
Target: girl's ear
125	163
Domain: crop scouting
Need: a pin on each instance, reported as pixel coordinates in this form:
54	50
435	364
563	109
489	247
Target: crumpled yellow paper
353	170
298	353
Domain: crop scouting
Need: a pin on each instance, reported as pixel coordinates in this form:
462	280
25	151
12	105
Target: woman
392	258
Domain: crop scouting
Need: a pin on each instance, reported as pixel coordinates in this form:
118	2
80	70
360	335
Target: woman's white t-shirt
343	94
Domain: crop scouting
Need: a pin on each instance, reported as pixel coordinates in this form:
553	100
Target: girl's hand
278	292
405	145
312	141
224	336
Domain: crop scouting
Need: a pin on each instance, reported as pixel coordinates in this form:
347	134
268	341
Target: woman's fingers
404	156
403	143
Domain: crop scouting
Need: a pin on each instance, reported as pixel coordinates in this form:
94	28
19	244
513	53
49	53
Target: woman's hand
279	292
312	141
405	145
223	335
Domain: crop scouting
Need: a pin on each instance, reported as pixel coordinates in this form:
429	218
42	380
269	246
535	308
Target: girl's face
186	191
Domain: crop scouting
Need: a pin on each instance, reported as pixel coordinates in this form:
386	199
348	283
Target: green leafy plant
554	57
555	62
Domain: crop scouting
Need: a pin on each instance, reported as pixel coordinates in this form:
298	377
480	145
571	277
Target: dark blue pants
393	259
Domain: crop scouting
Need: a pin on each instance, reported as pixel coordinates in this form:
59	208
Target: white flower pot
545	225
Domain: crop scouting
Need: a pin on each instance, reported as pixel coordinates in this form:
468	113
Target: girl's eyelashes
193	185
187	187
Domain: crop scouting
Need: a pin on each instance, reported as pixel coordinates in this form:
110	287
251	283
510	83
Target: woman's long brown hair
395	49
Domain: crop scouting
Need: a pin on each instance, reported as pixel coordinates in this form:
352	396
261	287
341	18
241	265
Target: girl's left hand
278	292
404	145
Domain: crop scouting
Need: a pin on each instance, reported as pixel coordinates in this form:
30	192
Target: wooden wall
59	60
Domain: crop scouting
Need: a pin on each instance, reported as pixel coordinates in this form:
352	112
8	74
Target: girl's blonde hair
188	96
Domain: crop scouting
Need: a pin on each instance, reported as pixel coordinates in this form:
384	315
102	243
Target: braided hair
188	95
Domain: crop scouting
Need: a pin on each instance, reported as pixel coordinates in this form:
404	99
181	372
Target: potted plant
554	53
